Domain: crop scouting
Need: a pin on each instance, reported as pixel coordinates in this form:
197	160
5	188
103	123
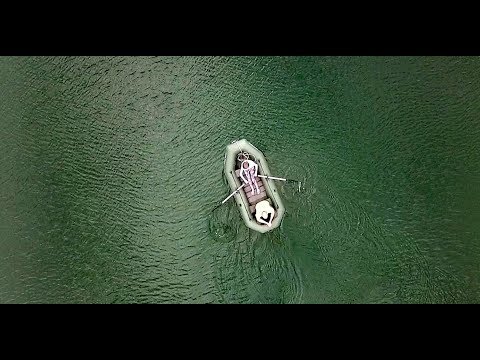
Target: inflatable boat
254	190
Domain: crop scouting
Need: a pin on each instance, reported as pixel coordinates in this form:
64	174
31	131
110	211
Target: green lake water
110	168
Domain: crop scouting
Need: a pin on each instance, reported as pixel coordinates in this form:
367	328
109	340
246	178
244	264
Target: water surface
110	169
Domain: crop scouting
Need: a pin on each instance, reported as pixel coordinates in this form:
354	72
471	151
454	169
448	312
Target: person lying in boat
248	173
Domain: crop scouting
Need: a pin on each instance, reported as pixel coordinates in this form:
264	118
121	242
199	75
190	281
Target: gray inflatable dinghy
261	207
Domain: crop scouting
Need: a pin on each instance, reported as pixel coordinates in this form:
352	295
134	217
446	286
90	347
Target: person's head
264	214
245	164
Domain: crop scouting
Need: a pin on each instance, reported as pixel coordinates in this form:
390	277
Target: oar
281	179
277	178
229	196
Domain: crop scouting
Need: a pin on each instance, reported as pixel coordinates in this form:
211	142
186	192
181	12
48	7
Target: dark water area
110	169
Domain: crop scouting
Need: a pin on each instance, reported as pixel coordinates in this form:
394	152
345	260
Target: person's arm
260	220
270	221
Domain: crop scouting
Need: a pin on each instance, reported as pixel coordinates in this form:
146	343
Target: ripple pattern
112	166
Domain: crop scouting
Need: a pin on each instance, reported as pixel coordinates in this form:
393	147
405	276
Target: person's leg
256	185
250	182
254	180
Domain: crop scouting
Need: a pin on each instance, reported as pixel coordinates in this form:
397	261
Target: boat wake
252	267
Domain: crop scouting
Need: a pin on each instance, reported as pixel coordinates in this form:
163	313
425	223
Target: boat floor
255	198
